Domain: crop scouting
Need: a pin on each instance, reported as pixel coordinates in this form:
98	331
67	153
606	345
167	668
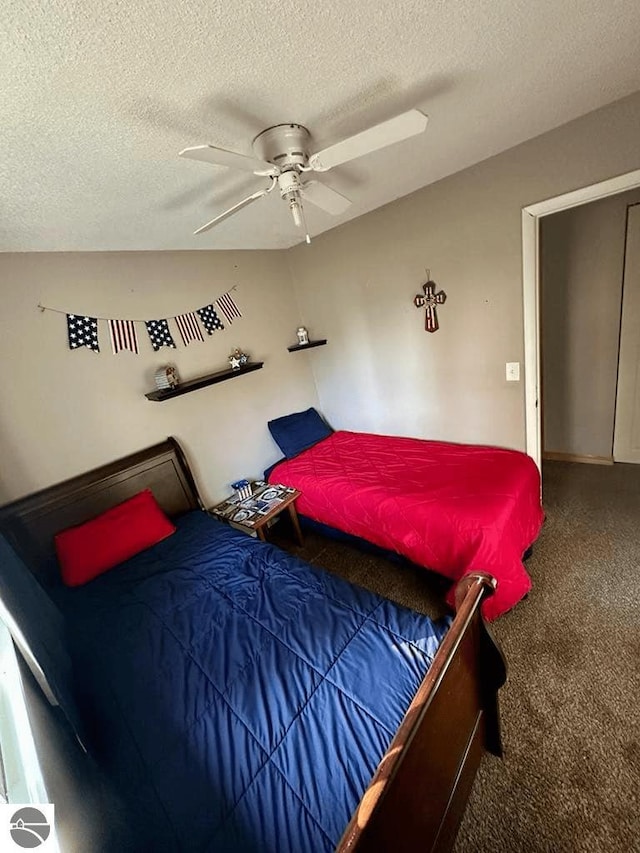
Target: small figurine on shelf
166	378
303	336
238	359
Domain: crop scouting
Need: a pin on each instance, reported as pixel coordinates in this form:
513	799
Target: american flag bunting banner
123	336
209	319
228	307
188	327
82	332
159	334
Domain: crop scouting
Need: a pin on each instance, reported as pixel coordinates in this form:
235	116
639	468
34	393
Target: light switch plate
513	371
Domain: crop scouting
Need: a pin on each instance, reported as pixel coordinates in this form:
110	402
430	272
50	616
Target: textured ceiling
97	99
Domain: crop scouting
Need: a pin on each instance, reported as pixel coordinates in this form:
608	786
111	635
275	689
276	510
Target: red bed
453	508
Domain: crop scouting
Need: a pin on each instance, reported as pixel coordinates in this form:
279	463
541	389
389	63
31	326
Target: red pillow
88	550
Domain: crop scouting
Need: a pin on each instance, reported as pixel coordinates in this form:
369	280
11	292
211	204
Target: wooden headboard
30	523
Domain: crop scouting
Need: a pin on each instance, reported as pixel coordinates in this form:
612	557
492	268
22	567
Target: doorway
531	218
582	254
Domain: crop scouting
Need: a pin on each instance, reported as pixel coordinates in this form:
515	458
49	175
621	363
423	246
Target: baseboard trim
554	456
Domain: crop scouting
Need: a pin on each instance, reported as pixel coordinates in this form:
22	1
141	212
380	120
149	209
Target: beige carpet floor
570	778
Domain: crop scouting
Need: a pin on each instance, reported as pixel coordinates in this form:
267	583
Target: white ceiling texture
97	98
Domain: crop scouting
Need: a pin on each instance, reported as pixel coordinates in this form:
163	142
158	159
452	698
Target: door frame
616	421
531	216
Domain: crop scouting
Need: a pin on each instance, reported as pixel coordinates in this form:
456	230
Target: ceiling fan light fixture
290	187
297	212
296	209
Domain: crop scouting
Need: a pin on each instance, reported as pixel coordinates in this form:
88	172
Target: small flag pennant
83	332
188	327
123	336
210	319
228	307
159	334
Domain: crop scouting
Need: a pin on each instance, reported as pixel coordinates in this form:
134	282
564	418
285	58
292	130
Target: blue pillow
298	431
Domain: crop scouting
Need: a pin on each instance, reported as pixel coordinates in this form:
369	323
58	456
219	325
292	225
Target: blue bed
242	700
222	673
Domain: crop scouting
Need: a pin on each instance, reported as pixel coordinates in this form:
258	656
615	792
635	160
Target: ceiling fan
282	155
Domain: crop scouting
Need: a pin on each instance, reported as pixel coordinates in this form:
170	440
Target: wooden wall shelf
202	382
310	345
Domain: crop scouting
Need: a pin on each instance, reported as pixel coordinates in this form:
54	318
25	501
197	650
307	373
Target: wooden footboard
417	796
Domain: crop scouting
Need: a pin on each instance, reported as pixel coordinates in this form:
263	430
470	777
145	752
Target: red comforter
452	508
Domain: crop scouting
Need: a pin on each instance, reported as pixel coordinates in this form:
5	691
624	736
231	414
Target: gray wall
581	278
64	412
381	371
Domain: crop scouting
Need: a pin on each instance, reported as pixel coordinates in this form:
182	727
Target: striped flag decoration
82	332
228	307
209	319
188	328
123	336
159	334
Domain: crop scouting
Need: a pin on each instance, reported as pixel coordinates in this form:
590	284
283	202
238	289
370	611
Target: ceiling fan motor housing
284	145
289	182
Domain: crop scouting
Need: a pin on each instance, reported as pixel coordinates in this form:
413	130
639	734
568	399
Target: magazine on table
249	510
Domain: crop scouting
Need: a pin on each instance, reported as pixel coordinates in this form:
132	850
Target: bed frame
417	796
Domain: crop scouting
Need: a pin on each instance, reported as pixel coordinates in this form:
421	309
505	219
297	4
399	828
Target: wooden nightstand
256	512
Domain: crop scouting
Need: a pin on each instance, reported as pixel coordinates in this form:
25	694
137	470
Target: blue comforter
240	697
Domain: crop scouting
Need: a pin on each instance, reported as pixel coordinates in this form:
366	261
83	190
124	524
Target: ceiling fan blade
222	157
379	136
232	210
324	197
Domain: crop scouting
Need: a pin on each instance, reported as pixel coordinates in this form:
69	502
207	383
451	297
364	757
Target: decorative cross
428	300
